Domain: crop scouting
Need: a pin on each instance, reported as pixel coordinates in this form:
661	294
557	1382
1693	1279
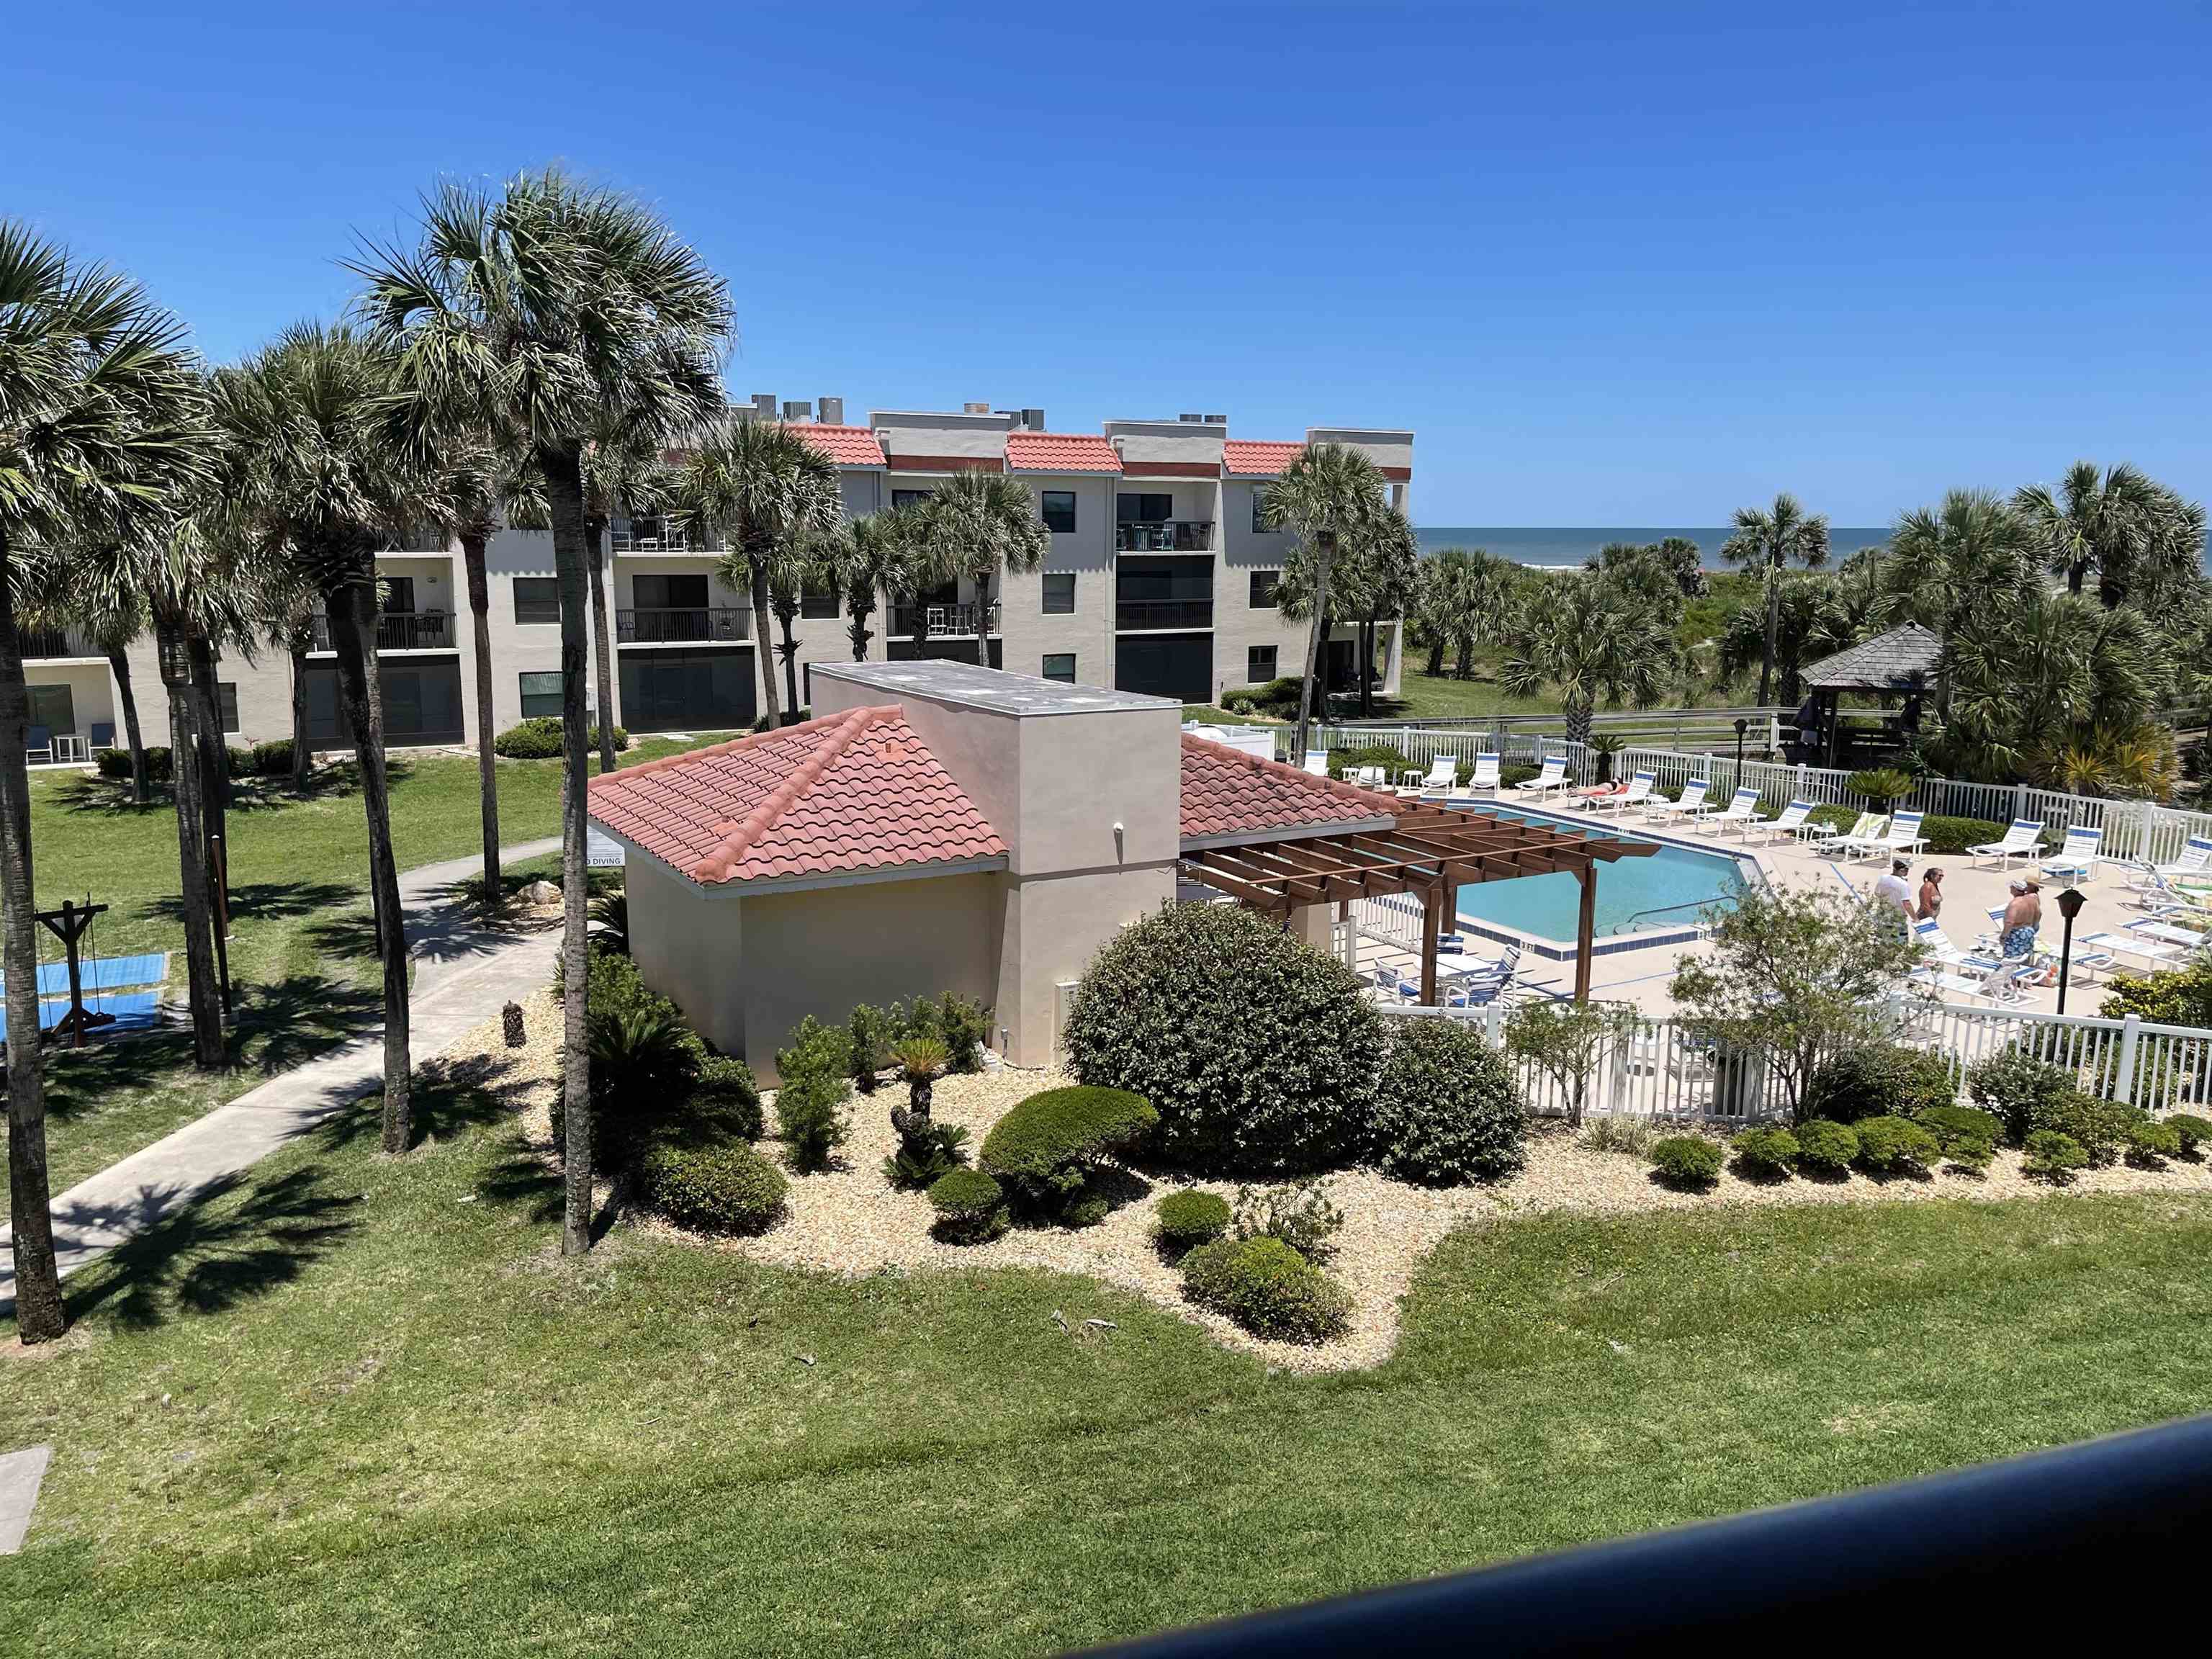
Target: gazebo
1906	661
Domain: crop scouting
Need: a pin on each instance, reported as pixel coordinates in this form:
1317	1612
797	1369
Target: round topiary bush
1967	1135
1184	1220
2150	1143
1878	1082
970	1207
2053	1157
1447	1110
1825	1147
722	1187
2192	1131
1045	1152
1687	1160
1268	1288
1888	1144
1766	1152
1261	1054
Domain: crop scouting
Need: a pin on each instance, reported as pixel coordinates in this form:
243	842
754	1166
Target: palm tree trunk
142	786
564	490
472	558
1579	721
1324	549
859	607
1463	660
788	650
214	754
352	609
1436	656
1367	669
185	776
595	534
763	647
38	1286
303	750
1773	627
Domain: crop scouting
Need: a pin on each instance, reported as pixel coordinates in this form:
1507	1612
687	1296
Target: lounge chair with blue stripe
2077	861
1553	775
1742	810
2024	840
1795	821
1690	805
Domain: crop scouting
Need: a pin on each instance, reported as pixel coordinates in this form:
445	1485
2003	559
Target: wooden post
1585	932
1431	904
68	925
219	896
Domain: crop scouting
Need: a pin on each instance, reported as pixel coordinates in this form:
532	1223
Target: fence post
2124	1080
1493	1022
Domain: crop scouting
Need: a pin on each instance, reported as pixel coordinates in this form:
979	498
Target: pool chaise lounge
2023	840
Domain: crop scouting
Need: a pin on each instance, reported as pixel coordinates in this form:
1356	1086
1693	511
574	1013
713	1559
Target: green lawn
301	954
340	1404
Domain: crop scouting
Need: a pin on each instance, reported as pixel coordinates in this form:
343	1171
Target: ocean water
1553	546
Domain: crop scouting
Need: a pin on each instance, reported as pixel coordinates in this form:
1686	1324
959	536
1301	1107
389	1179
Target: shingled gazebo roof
1902	659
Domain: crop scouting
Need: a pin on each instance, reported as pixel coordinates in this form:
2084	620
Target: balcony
398	630
1131	616
932	621
684	625
651	536
1163	535
56	642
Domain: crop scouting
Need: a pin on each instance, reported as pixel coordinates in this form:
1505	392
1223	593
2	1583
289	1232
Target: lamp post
1743	726
2069	906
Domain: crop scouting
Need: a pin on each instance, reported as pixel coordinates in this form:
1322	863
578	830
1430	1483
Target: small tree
1795	975
1568	1041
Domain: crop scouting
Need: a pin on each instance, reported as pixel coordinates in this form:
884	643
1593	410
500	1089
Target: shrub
639	1052
2191	1131
871	1035
1261	1054
2177	996
1766	1152
1619	1132
1882	786
1447	1108
927	1153
2100	1127
539	739
160	765
963	1026
1826	1146
815	1075
1268	1288
1967	1135
724	1187
2150	1143
1878	1081
2025	1094
2053	1157
970	1207
1510	775
1687	1160
1953	836
1047	1149
1303	1217
272	759
646	1067
1184	1220
1889	1142
723	1092
1392	759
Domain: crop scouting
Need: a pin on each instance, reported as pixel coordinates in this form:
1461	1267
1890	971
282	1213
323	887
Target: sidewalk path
464	974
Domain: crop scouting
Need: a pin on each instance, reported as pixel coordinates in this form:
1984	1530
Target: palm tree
623	477
767	491
1772	539
475	486
1971	552
1327	492
869	556
534	317
1375	574
981	522
2047	673
328	492
1592	638
101	422
1815	615
2094	521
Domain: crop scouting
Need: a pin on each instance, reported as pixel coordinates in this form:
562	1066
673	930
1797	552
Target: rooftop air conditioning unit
1033	419
1192	420
1217	420
764	406
974	409
833	412
798	409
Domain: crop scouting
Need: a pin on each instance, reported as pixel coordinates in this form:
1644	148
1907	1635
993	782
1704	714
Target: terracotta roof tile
851	791
848	446
1060	451
1226	792
1241	459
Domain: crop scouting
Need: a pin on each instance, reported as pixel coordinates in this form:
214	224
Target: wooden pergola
1433	851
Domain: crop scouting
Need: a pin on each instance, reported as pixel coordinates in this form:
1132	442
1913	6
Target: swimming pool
1674	882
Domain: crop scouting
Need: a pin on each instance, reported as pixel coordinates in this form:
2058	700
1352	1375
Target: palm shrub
1447	1110
970	1207
922	1060
1889	1143
1687	1160
1826	1146
611	912
1268	1288
1048	1151
1883	787
1260	1054
1182	1221
1766	1152
925	1153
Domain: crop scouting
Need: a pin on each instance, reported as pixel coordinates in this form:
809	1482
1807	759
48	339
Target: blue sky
1636	265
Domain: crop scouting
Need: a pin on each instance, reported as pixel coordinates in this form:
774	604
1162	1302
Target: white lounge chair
1435	784
1638	792
1867	827
1901	835
1795	821
1553	776
2077	861
1486	773
2024	840
2195	859
1317	761
1742	809
1376	778
1690	805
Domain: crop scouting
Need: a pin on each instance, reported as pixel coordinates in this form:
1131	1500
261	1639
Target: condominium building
1160	579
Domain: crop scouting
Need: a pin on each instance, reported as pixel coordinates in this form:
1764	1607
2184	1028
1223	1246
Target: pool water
1627	889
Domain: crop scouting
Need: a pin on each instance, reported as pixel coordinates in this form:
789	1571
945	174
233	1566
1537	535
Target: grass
302	957
343	1397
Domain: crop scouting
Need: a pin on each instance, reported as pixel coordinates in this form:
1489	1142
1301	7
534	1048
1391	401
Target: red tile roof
1226	792
853	792
848	446
1060	451
1243	460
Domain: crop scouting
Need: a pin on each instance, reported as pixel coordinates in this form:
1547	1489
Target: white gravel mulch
851	1222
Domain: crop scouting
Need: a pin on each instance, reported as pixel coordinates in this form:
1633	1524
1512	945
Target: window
1143	509
669	593
1060	665
1260	525
226	695
818	604
1060	512
1059	593
910	498
1259	663
398	595
537	599
1264	583
541	695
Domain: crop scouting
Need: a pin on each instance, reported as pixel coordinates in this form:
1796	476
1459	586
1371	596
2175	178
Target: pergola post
1431	904
1585	932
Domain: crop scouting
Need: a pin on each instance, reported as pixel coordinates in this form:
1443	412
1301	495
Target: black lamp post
1743	726
2069	906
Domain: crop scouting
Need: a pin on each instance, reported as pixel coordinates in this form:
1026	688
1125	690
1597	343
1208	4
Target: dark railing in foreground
677	624
933	620
398	630
1164	535
55	642
1135	614
2008	1551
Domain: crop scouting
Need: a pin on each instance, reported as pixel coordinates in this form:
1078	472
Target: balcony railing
398	630
1164	613
683	624
664	539
57	642
1164	536
932	620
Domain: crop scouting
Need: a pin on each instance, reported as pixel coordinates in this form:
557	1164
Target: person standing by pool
2023	915
1894	892
1932	892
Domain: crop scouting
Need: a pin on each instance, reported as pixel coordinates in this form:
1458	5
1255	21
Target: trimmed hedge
2150	1143
2176	996
1953	836
1277	697
726	1187
1967	1135
1765	1151
1261	1054
1888	1143
1185	1220
1826	1146
970	1207
1046	1151
1268	1288
263	759
2053	1157
1688	1160
1448	1110
2192	1131
539	739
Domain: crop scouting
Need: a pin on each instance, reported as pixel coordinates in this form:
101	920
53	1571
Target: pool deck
1971	887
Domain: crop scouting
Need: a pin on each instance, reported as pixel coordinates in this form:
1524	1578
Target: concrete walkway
464	974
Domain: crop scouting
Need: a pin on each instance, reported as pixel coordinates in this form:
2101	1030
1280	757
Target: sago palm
536	316
1769	540
1592	640
1326	493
